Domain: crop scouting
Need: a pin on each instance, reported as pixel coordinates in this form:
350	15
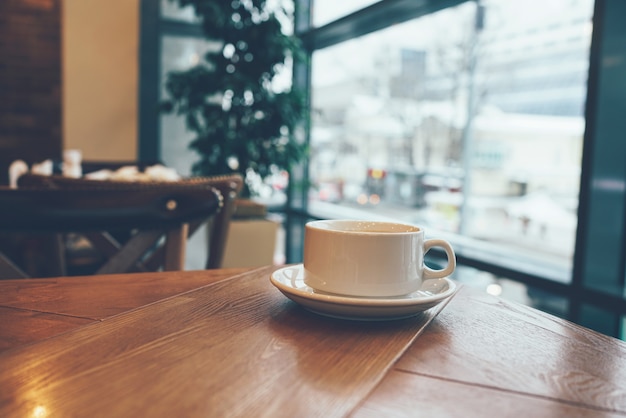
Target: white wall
100	40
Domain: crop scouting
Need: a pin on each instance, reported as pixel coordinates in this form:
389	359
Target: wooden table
227	343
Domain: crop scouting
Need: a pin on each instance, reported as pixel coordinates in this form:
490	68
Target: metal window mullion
599	255
370	19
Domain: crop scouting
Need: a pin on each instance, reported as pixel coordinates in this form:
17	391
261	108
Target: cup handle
435	274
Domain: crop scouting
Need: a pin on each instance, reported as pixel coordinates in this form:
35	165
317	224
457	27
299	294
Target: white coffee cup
369	258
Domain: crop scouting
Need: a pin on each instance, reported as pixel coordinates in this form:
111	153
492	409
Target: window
491	123
482	133
474	131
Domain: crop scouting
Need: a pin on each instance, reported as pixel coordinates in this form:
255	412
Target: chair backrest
228	185
152	211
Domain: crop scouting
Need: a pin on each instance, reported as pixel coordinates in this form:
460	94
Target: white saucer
290	281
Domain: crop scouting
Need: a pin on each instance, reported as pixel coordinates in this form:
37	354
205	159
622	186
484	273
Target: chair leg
53	247
131	252
109	246
156	259
175	246
8	270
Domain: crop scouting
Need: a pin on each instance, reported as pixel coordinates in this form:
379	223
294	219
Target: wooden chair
155	217
228	185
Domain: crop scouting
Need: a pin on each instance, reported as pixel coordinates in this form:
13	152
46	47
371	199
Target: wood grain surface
35	309
226	343
408	395
99	297
19	327
489	356
236	347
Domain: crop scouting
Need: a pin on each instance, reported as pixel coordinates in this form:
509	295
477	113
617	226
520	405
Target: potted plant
242	122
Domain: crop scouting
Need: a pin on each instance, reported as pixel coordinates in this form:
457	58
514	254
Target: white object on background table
16	170
72	163
43	168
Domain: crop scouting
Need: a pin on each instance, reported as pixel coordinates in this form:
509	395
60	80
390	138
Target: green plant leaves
228	100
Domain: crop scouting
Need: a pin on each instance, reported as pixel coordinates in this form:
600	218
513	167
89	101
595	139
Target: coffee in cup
369	258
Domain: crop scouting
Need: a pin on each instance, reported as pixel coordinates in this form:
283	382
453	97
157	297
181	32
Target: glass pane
171	10
325	11
474	132
179	53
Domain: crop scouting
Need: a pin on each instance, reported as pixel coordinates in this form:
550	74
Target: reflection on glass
475	130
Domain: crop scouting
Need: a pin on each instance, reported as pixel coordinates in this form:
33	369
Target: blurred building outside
389	136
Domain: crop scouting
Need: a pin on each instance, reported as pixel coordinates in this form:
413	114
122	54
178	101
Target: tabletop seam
437	309
533	395
17	308
195	289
